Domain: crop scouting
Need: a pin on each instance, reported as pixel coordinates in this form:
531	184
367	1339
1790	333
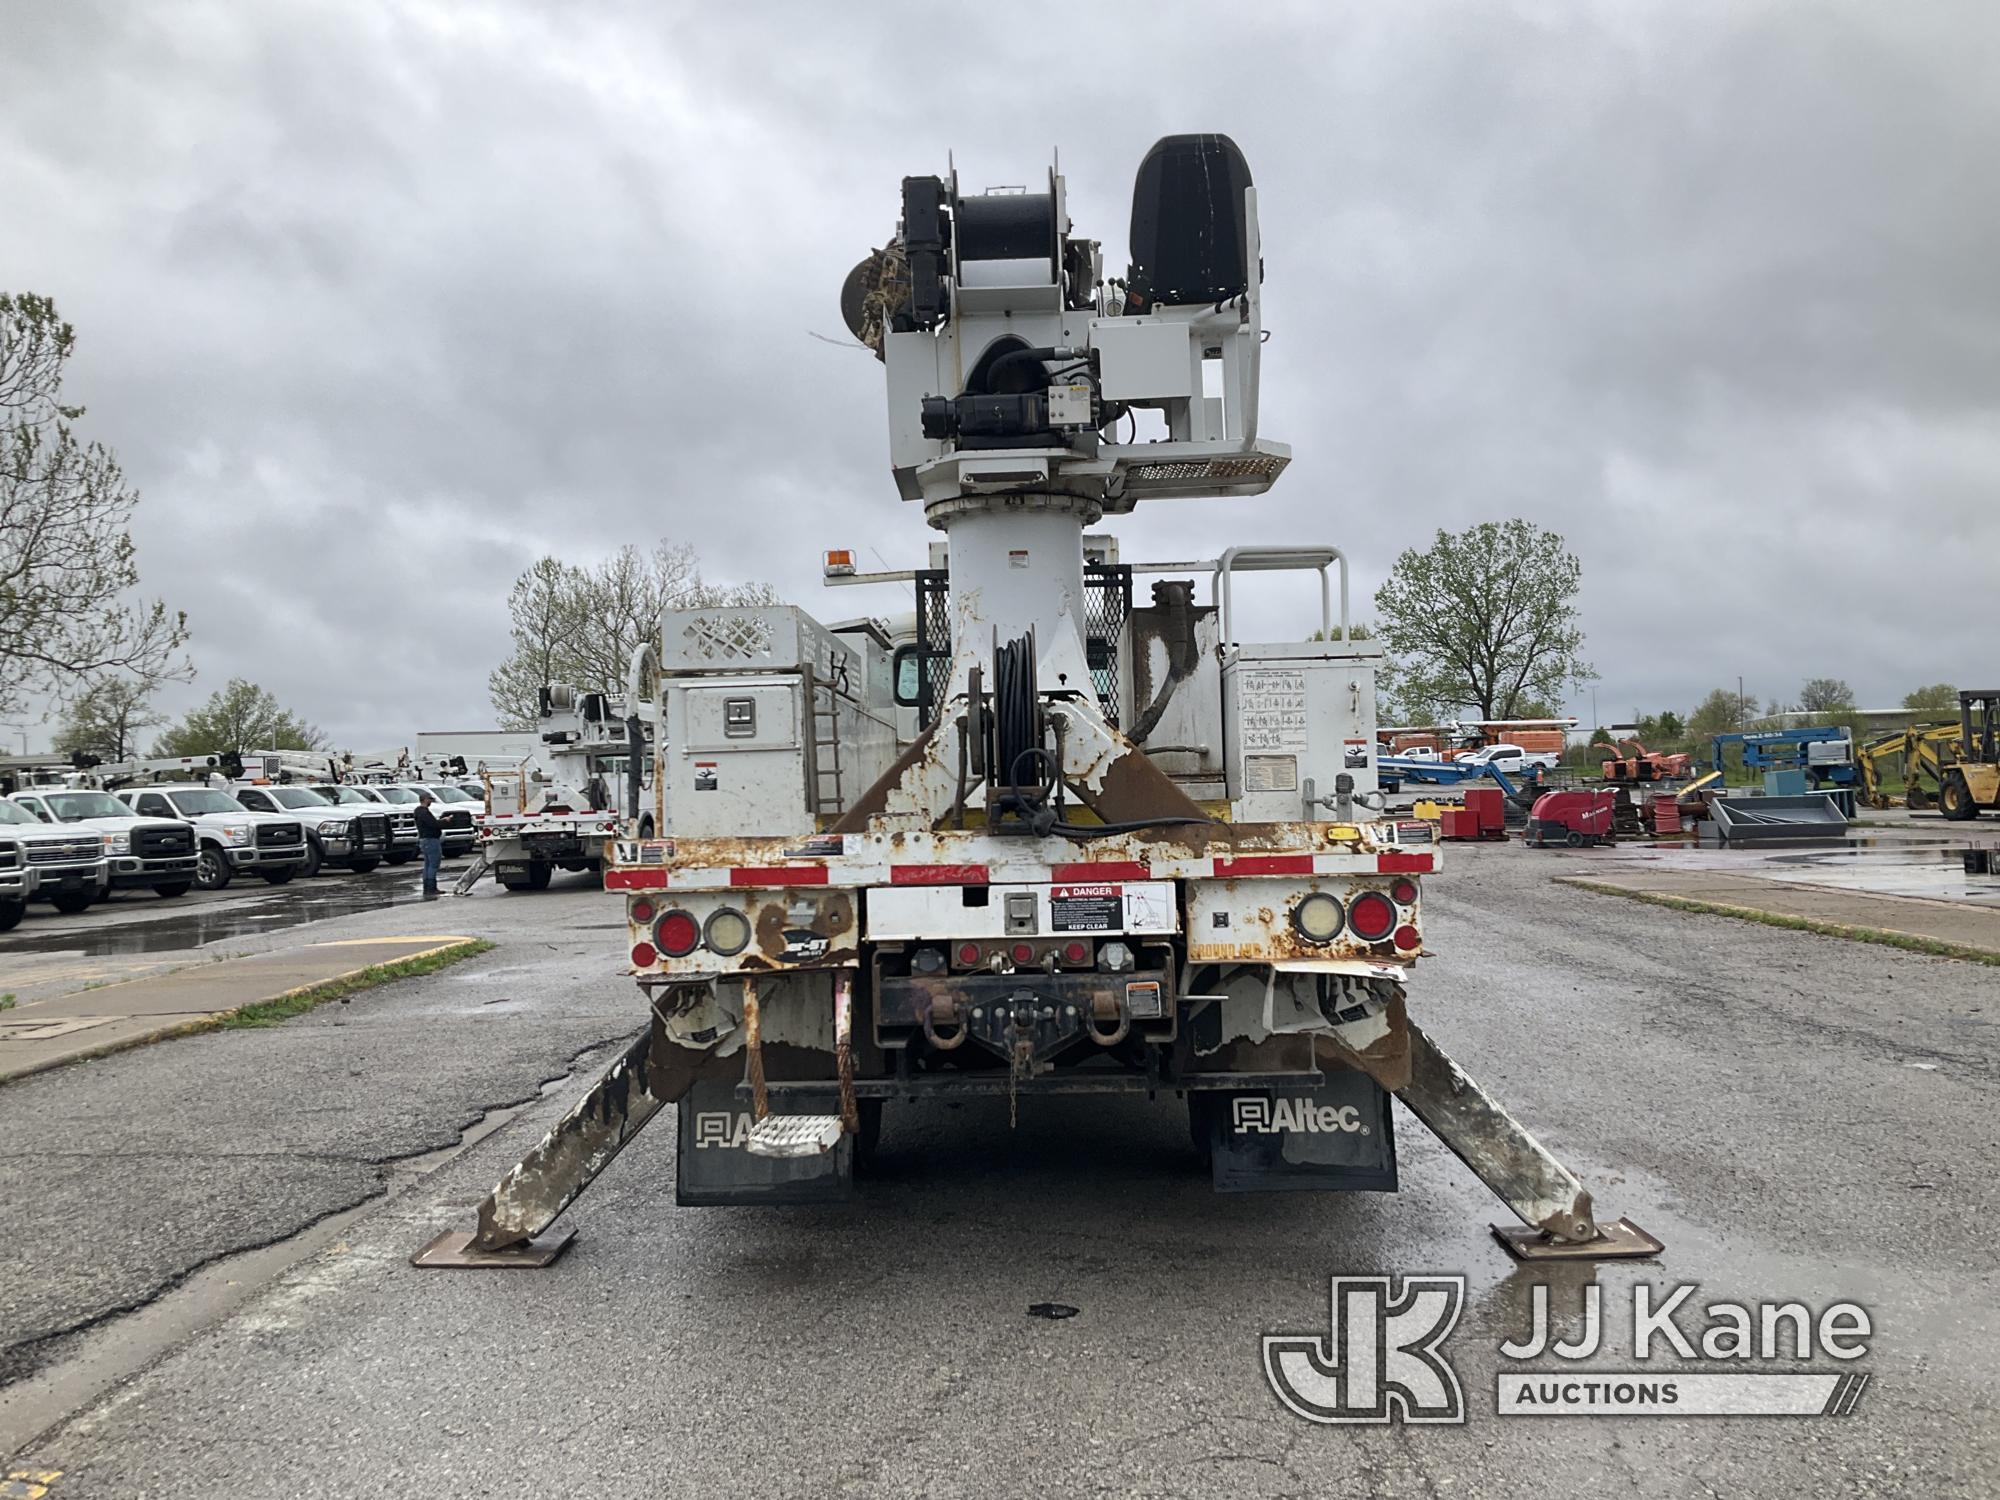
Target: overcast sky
376	303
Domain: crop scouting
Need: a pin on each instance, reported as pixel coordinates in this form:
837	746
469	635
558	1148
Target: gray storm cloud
379	302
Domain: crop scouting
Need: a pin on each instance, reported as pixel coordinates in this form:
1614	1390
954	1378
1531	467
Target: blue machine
1823	753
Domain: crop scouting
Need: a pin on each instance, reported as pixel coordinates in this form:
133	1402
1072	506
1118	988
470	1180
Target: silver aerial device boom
1013	369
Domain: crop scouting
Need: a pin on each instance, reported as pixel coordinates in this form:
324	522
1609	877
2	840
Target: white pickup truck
65	867
228	836
155	854
1510	758
346	837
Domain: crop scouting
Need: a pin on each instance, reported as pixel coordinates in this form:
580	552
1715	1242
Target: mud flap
714	1166
1338	1138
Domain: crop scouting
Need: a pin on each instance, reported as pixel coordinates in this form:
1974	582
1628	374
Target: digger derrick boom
1082	851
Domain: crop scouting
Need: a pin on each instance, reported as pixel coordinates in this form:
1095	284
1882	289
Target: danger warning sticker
1086	908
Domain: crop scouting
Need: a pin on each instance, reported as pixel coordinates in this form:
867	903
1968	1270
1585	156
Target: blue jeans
433	852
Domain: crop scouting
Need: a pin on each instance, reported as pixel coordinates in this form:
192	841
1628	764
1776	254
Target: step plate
793	1135
1619	1240
452	1251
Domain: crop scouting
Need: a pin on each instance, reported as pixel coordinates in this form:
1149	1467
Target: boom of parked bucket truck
1123	850
560	809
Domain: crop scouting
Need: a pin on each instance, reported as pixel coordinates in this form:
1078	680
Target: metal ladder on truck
824	792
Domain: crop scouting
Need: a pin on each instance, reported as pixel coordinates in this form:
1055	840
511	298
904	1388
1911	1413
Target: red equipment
1489	805
1643	764
1576	819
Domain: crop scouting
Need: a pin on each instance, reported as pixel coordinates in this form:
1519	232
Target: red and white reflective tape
855	873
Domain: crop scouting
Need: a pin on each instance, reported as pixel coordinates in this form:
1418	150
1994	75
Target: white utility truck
561	809
1124	850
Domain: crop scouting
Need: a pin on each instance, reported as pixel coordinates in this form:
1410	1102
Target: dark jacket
428	826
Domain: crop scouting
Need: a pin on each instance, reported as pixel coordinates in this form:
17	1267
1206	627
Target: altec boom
1036	838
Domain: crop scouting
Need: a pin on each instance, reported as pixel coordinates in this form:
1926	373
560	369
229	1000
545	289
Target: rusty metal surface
651	1074
1621	1239
1259	923
1498	1149
456	1250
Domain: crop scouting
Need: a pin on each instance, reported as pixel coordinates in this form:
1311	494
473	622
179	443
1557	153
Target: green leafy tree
1722	712
240	716
1939	700
107	720
1600	736
66	555
1485	619
579	626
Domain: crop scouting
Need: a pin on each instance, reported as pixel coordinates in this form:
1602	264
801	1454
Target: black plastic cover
1190	240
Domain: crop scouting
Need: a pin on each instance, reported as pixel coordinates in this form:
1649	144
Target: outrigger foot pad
454	1251
1621	1239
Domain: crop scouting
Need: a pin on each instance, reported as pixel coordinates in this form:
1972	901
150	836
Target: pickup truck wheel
11	913
514	882
69	903
174	888
538	875
211	869
363	866
315	857
277	877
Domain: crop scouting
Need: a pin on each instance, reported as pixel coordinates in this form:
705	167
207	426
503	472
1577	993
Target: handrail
1284	559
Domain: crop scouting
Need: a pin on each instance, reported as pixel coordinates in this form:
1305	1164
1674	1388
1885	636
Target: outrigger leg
514	1220
1554	1206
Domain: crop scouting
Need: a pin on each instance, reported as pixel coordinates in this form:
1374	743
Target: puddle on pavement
197	922
1936	869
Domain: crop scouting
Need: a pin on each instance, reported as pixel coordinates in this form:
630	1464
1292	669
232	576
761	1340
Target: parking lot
207	1288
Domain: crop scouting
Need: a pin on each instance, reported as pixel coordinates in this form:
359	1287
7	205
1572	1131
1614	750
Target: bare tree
66	555
579	626
107	718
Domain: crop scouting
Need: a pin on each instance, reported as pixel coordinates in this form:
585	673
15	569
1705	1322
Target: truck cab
67	868
155	854
228	836
349	838
1509	758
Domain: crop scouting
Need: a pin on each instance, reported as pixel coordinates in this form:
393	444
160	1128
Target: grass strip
298	1002
1932	947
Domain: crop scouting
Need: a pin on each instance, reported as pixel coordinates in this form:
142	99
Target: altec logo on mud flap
1384	1360
1258	1116
719	1127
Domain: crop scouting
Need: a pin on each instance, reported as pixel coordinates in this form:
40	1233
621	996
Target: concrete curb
86	1051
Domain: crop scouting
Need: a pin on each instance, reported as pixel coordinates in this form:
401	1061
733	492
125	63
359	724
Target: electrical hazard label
704	776
1086	908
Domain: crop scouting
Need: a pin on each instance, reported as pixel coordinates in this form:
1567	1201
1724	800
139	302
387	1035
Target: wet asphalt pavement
1797	1117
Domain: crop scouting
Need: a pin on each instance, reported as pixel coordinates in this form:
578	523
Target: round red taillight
642	911
968	953
1408	937
1370	917
644	955
1024	953
1076	953
678	934
1404	892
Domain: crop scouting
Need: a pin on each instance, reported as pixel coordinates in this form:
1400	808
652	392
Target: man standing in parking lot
430	840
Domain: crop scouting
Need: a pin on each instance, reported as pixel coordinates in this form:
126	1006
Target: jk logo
1382	1362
